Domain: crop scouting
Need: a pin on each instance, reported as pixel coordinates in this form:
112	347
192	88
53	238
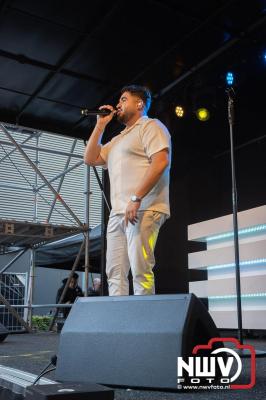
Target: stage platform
31	352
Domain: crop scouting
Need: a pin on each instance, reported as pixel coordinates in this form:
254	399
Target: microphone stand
105	205
231	119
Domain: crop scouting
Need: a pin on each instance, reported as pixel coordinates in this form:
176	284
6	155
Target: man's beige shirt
128	156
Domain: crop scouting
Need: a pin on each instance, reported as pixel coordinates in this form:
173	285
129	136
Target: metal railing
39	305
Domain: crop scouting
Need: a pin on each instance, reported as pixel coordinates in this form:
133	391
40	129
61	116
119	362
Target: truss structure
31	235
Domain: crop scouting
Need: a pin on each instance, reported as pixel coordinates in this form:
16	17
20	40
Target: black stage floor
32	352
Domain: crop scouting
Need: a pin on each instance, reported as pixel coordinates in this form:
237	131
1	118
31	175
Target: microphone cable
46	370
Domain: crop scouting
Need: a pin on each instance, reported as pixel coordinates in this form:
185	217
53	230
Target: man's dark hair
141	91
75	276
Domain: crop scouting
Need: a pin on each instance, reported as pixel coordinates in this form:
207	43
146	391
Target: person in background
95	290
73	291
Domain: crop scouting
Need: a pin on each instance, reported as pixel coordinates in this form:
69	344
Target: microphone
103	111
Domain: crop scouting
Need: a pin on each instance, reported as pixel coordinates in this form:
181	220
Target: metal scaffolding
31	235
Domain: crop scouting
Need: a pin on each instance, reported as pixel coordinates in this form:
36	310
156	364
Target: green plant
41	322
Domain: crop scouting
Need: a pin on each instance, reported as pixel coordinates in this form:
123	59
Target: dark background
57	57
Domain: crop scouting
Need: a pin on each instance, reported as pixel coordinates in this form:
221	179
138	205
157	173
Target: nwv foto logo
217	367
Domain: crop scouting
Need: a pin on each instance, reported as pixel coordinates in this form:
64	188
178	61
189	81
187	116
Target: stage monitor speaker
131	341
3	333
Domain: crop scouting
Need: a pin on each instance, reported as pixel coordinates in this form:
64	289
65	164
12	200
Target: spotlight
229	78
203	114
179	110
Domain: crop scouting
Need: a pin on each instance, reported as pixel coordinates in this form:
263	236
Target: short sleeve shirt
128	156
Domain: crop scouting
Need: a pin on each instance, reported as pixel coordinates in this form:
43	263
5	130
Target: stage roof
57	57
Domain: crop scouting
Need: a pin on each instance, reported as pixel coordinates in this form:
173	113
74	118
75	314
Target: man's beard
123	117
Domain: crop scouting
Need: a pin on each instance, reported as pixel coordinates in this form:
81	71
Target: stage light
203	114
179	110
229	78
258	229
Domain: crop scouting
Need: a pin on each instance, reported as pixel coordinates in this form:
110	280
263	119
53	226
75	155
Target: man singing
138	162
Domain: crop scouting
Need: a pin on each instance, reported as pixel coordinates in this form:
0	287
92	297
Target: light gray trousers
132	247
